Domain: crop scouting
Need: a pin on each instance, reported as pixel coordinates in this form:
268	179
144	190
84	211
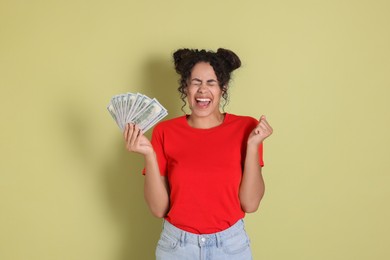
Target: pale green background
319	70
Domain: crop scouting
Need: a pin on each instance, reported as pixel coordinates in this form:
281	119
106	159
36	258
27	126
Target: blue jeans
230	244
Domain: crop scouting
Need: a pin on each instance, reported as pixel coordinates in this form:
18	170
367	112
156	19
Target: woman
203	170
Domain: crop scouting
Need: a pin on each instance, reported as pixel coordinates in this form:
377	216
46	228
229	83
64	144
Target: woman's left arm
252	184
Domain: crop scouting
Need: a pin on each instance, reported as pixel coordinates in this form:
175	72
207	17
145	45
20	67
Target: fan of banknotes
136	109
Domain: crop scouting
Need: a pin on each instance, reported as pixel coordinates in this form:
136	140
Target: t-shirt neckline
225	119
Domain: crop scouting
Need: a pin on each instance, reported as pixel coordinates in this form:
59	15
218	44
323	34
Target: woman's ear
224	89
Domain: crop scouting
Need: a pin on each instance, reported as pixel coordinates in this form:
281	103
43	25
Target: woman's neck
205	122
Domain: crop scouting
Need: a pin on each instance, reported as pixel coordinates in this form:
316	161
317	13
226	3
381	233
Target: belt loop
182	238
219	240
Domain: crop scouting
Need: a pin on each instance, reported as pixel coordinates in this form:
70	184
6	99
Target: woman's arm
252	184
155	186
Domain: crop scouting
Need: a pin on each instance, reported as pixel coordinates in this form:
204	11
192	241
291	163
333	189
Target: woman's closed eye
196	82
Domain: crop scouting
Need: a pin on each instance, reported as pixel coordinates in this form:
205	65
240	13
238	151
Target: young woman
203	170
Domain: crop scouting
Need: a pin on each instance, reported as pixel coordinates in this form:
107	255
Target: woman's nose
202	88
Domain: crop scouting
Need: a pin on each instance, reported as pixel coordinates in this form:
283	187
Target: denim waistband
214	239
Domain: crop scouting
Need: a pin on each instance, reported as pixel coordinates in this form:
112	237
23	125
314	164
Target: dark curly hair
223	62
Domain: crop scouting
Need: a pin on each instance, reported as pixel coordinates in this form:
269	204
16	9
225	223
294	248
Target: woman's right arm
156	186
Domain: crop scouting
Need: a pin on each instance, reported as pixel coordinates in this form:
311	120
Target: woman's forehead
203	71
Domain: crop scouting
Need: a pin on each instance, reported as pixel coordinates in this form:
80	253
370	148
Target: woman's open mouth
203	102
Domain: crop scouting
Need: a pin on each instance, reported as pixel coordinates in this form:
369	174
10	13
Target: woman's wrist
252	147
150	155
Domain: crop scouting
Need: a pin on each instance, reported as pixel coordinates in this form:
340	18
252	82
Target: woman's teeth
203	101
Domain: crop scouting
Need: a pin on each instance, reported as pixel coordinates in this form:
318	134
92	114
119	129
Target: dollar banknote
137	109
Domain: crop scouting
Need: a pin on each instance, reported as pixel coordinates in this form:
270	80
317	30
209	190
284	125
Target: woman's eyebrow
196	79
211	81
208	81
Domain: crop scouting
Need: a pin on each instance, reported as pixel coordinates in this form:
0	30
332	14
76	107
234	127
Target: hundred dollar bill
115	103
111	109
139	102
132	98
146	127
121	108
137	109
148	113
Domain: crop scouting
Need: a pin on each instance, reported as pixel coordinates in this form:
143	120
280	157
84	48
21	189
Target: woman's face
203	91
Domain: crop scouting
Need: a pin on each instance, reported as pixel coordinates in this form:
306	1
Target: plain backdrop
319	71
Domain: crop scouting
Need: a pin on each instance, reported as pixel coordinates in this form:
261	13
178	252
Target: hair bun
230	58
180	58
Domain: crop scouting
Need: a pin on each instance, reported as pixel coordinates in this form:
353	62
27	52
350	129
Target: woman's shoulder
240	123
169	123
241	119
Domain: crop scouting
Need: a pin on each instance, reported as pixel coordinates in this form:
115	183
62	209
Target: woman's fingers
125	132
135	141
266	124
133	136
130	134
266	127
263	127
138	139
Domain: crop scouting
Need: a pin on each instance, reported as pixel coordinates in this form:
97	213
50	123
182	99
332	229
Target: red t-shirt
204	169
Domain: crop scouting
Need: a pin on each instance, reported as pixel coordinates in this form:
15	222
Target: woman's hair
223	62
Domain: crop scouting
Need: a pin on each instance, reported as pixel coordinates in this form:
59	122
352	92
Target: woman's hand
135	140
156	186
260	133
